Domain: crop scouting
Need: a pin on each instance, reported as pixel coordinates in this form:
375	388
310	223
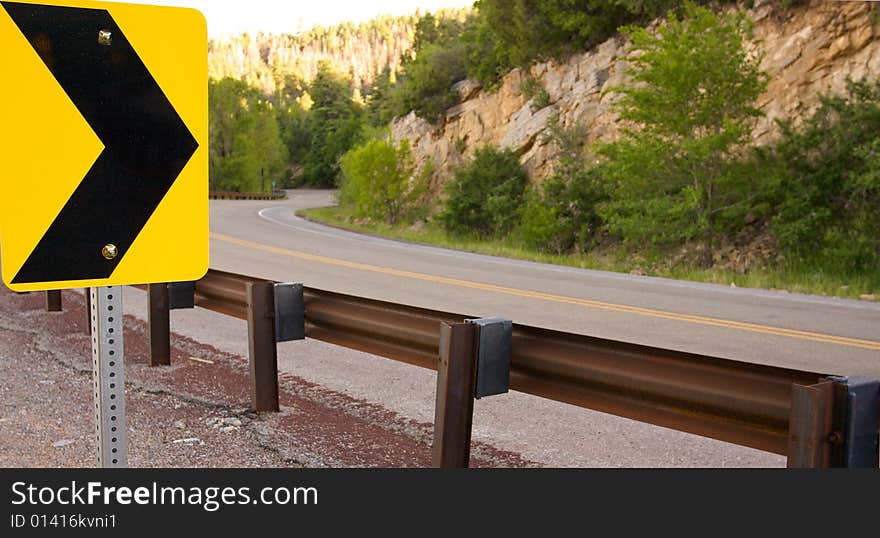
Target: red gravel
45	377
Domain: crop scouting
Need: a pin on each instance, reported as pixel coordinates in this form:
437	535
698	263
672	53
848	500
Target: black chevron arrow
146	144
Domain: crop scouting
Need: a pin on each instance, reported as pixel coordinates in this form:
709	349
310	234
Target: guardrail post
454	411
261	346
159	318
53	301
811	425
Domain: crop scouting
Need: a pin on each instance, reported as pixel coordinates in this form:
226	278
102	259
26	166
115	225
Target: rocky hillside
808	51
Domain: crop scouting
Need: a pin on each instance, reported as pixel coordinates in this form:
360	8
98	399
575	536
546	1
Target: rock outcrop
807	52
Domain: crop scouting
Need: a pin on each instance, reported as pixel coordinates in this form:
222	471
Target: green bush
540	226
532	89
379	181
828	195
561	216
485	196
530	86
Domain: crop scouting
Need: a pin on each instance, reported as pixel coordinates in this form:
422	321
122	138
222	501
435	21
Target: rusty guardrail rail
731	401
806	416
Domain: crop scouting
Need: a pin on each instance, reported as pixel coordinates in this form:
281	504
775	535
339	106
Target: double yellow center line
701	320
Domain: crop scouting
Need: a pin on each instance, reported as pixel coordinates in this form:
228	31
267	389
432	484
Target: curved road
267	239
798	331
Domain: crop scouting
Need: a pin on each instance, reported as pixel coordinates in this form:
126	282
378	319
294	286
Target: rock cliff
807	51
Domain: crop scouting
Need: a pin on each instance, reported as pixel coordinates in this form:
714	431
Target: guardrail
814	419
231	195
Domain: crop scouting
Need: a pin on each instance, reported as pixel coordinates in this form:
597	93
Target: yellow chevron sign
104	144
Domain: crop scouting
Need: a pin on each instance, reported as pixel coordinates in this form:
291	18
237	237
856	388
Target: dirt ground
194	413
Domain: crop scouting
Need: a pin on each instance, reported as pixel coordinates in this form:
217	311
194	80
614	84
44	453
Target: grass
809	280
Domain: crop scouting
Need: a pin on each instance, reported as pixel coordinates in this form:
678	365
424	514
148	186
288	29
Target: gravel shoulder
194	413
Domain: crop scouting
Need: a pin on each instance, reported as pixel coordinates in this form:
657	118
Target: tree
381	107
293	121
515	33
437	30
380	181
366	48
690	105
334	125
426	87
435	63
246	151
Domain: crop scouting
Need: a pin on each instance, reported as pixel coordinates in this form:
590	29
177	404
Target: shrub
561	217
485	196
379	180
532	89
828	197
530	86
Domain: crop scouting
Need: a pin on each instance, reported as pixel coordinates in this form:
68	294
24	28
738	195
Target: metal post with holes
53	301
261	346
454	410
159	319
108	376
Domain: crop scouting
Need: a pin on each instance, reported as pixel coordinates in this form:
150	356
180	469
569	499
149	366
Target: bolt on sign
103	144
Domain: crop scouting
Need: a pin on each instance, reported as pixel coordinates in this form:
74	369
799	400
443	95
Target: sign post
105	164
108	376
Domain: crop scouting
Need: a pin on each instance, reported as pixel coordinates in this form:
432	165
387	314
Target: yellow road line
702	320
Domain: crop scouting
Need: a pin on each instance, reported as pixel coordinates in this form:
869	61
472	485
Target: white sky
277	16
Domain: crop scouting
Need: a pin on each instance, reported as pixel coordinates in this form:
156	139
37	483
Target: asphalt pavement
806	332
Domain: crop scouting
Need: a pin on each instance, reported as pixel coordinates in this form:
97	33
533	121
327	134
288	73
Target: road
267	239
797	331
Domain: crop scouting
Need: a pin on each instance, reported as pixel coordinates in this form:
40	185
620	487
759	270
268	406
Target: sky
290	16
